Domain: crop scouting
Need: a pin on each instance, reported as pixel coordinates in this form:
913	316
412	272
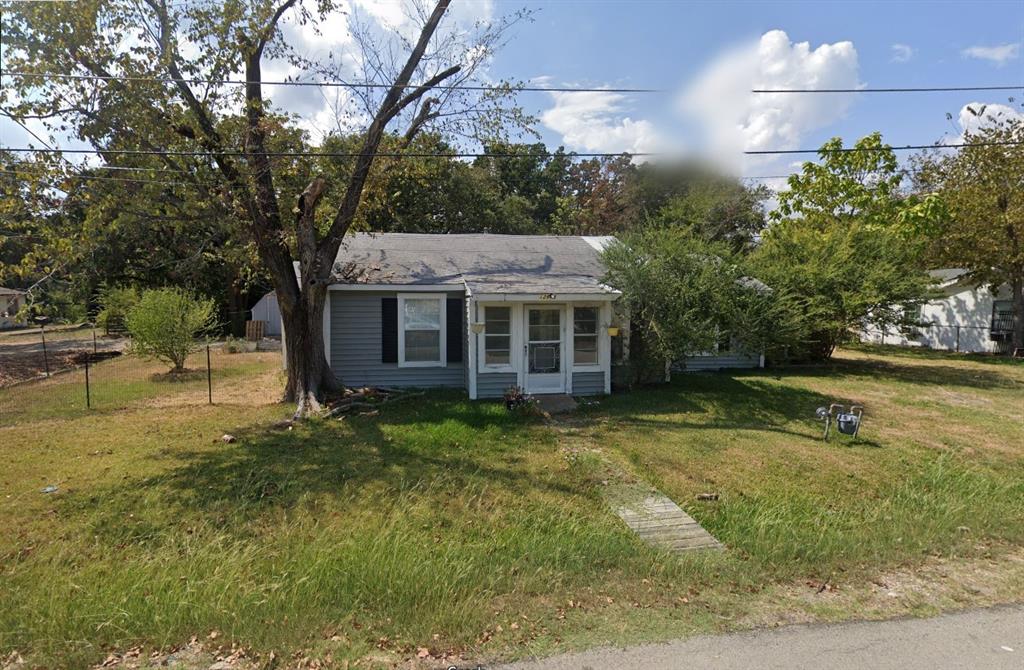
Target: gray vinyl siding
587	383
725	361
356	349
493	384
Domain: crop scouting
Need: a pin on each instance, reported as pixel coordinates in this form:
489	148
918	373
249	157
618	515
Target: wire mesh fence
947	337
70	376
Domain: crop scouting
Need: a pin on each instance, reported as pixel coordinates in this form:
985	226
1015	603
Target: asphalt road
976	640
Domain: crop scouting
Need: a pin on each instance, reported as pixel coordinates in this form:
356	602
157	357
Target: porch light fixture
613	331
476	327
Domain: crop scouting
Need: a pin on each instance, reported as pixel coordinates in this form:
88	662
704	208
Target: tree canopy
836	246
981	191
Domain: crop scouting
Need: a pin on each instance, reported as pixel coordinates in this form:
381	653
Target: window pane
545	358
544	333
544	317
585	350
497	320
545	325
497	342
496	357
585	320
422	345
422	314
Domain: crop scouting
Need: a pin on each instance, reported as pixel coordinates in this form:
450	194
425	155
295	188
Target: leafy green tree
165	323
981	190
720	209
148	56
684	294
836	246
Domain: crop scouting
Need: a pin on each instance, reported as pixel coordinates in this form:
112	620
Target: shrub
165	323
115	304
236	345
519	402
684	296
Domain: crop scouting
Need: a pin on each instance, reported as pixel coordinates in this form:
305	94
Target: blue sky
675	45
709	54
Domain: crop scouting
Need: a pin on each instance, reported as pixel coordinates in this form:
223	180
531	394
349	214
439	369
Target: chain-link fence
55	374
957	338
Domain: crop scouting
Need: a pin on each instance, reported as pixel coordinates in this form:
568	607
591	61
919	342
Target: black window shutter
389	330
454	332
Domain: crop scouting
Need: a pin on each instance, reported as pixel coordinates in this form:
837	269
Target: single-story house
478	312
965	317
11	300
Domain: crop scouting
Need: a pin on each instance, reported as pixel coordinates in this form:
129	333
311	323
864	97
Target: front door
544	350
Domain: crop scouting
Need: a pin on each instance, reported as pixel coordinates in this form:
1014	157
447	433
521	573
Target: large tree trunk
309	374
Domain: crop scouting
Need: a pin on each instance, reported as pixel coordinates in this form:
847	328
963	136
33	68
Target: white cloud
975	116
594	122
901	53
735	119
999	54
330	42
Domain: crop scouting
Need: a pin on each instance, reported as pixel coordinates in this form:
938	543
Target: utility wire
508	88
471	154
906	147
511	88
923	89
316	154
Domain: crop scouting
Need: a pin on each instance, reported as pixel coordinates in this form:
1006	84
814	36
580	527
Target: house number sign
546	296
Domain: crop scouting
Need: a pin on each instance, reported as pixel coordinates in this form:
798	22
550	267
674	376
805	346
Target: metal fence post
958	339
209	377
94	350
46	359
88	398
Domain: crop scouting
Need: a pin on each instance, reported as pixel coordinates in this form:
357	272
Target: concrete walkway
991	639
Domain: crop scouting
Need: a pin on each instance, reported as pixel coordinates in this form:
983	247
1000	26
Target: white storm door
544	350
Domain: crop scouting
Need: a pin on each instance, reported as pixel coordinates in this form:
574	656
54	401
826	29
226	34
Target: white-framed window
421	330
497	339
585	335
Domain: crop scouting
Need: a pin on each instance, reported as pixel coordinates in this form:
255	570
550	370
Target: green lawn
450	525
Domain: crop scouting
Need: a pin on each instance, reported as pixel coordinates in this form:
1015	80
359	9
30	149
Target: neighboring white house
266	310
11	301
966	318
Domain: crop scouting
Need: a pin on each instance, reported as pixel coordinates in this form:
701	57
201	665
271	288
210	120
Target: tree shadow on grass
411	444
719	401
923	374
924	353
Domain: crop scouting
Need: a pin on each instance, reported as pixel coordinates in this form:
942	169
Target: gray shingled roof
10	291
483	263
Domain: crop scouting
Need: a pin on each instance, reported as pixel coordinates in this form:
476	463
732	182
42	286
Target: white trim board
403	288
541	298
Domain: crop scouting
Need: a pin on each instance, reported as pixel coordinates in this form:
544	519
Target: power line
906	147
472	154
507	88
511	88
318	154
924	89
904	172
